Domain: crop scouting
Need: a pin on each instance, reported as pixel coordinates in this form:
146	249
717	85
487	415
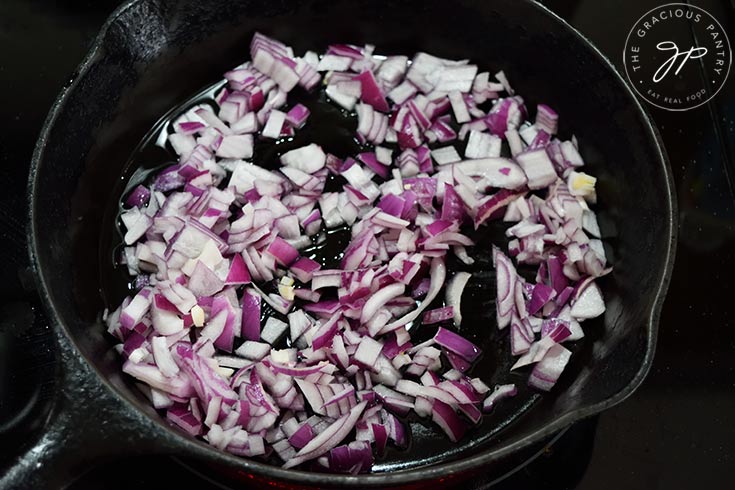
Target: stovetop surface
676	432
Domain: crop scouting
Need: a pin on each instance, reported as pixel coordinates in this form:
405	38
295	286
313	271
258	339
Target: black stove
675	432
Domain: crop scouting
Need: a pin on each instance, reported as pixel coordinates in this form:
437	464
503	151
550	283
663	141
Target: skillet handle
86	425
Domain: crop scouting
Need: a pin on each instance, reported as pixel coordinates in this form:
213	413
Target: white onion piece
453	294
589	304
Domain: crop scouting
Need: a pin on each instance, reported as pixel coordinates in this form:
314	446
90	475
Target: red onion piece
438	315
457	344
546	373
327	439
446	418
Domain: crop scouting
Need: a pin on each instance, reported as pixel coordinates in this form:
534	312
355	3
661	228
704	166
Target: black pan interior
157	53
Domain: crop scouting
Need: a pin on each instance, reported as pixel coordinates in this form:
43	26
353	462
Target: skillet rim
200	449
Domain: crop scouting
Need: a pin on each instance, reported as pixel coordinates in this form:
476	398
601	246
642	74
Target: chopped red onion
297	115
138	197
227	369
446	418
438	315
454	290
457	344
327	439
500	392
538	168
546	373
589	303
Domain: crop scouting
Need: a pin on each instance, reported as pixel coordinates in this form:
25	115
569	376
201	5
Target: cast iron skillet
153	54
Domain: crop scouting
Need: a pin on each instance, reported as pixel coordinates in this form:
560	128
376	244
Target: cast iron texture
152	54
